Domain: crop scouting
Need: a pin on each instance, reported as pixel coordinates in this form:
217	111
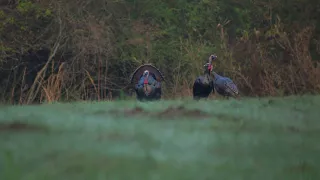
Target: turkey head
146	87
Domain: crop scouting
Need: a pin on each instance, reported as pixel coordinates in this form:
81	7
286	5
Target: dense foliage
268	47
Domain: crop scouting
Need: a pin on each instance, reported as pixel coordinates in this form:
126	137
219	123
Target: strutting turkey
225	86
204	85
146	81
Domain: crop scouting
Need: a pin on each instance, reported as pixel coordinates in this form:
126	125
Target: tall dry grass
289	70
276	65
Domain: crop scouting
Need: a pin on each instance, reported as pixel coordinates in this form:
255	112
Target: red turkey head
208	67
209	64
146	75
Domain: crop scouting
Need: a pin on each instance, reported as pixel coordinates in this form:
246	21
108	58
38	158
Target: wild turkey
203	85
225	86
146	80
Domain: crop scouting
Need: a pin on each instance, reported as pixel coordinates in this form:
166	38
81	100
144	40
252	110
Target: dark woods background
86	49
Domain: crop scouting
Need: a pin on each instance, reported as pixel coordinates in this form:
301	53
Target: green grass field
260	139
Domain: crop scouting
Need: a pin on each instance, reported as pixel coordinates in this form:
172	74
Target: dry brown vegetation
93	46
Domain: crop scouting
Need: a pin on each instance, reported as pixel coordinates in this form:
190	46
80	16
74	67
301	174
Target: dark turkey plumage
147	82
225	86
203	85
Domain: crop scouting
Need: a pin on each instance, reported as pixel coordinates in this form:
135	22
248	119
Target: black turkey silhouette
204	85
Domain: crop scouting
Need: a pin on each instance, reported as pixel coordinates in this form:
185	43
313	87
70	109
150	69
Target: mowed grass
261	139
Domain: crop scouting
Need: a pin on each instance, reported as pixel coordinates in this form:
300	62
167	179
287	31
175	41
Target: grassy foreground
259	139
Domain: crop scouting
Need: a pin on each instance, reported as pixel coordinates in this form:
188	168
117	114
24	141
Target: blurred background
71	50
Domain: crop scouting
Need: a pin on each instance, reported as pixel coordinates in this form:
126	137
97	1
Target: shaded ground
171	112
261	139
20	126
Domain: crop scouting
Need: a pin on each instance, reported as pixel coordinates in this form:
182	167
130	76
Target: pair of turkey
210	81
146	80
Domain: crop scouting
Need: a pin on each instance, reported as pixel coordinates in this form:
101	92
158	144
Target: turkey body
150	91
202	87
225	86
146	81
